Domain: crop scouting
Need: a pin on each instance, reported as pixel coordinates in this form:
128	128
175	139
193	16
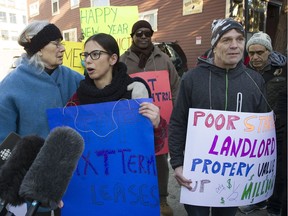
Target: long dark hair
107	41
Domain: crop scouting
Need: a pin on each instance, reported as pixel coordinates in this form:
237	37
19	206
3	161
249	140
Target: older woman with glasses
39	82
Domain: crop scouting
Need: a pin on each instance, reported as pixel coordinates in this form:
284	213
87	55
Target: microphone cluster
38	170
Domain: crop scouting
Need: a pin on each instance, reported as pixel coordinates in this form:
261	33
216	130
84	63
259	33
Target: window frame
14	35
74	4
12	17
24	19
6	34
57	9
100	3
34	9
70	31
150	16
4	20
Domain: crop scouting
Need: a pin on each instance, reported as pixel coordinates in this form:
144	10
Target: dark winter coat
210	87
275	76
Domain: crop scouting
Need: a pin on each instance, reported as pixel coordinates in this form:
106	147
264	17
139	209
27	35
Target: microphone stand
33	208
4	211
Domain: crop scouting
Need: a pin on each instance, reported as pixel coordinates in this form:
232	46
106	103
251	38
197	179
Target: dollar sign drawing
222	200
229	183
251	178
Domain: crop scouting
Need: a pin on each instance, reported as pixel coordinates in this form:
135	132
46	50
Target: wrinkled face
142	38
258	55
52	54
99	63
229	49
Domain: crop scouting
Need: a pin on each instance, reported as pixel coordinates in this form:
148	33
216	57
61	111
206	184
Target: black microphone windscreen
7	146
15	168
50	174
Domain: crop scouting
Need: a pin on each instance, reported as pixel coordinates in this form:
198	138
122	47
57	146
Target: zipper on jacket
226	90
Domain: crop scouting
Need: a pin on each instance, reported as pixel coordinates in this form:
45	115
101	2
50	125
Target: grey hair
27	34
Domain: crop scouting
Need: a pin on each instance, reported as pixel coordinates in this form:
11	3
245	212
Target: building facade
13	18
188	21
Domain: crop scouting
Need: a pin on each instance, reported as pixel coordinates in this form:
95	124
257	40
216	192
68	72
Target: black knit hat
220	26
49	33
141	24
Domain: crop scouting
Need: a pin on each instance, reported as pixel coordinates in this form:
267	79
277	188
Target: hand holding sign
178	174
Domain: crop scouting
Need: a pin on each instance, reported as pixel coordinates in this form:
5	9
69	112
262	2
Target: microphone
14	169
7	146
48	177
16	166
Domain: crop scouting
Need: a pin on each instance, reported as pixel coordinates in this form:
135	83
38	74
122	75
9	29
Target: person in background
214	84
144	56
39	82
282	108
272	66
107	80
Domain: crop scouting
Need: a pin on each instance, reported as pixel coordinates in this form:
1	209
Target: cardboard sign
230	158
117	172
71	57
159	84
116	21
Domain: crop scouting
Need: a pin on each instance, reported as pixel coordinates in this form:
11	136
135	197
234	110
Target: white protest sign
230	158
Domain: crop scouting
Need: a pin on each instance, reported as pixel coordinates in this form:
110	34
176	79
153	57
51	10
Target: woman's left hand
150	111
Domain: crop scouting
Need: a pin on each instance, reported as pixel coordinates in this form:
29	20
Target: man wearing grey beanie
219	82
272	66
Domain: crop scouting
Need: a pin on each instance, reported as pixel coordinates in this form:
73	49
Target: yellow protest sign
71	57
113	20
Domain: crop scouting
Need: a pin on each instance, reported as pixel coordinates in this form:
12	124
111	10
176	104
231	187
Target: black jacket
210	87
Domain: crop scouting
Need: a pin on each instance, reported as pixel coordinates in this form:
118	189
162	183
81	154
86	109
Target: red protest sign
159	84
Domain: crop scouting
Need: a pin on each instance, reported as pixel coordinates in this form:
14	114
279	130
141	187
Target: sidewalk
178	208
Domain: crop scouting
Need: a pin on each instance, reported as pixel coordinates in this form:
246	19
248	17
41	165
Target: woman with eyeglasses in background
144	56
39	82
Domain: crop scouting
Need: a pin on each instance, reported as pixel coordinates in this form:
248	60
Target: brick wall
172	25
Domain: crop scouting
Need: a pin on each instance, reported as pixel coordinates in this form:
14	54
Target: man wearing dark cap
215	83
144	56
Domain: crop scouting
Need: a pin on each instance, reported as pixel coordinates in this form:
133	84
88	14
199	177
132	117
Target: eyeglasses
146	33
259	53
94	55
58	44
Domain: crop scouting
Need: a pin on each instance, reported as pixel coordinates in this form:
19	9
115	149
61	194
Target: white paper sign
230	158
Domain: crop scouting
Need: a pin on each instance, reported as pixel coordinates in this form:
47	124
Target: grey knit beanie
260	38
220	26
